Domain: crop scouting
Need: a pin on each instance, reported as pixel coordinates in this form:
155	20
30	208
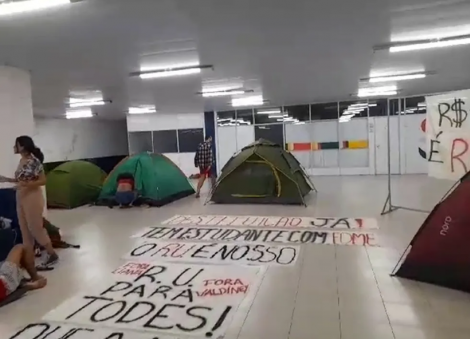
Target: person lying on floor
11	274
125	191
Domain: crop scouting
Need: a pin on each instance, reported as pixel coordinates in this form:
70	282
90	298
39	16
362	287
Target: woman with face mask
29	177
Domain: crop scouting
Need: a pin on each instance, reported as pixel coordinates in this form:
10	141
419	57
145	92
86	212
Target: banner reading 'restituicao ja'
448	135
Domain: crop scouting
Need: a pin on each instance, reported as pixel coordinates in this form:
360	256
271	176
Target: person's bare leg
33	210
200	183
28	263
36	284
22	258
28	239
15	255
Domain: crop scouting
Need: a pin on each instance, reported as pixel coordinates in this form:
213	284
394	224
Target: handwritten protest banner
191	300
50	330
273	222
214	253
448	135
284	236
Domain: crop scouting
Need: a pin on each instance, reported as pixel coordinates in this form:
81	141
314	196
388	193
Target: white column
16	114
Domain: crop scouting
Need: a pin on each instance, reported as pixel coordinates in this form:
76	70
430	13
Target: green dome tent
262	173
158	180
74	184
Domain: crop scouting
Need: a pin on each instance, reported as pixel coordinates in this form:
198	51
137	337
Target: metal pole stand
388	206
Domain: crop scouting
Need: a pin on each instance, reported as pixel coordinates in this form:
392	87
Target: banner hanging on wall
168	299
214	253
448	135
272	221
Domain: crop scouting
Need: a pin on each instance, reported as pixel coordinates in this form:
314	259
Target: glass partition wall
333	138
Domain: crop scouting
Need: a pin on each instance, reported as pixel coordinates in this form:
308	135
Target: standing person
29	177
203	160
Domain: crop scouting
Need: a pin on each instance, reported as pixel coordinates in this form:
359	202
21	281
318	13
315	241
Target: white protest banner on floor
50	330
257	236
448	135
214	253
272	222
168	299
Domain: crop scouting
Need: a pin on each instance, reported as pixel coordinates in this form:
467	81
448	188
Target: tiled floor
331	293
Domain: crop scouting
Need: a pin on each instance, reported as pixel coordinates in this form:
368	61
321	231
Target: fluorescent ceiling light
18	7
222	93
272	111
142	110
437	43
278	116
248	101
385	94
359	105
170	71
87	113
377	91
87	103
397	77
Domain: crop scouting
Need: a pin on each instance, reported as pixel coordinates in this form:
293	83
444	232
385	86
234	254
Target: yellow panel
358	144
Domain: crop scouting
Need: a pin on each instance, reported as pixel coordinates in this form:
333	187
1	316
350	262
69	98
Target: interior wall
406	139
61	139
230	140
143	127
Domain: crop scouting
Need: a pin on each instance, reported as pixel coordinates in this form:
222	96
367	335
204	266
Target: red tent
440	251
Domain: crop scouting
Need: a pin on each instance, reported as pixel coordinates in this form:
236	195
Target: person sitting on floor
11	274
125	192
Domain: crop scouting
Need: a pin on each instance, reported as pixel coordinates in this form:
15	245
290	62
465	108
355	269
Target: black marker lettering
202	250
116	335
278	235
143	249
224	251
163	289
322	235
176	282
150	308
267	234
186	294
44	328
292	255
274	255
253	235
93	299
159	314
434	149
261	253
119	286
291	236
444	109
153	231
220	321
341	221
151	273
241	254
323	224
192	312
139	290
307	236
122	304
